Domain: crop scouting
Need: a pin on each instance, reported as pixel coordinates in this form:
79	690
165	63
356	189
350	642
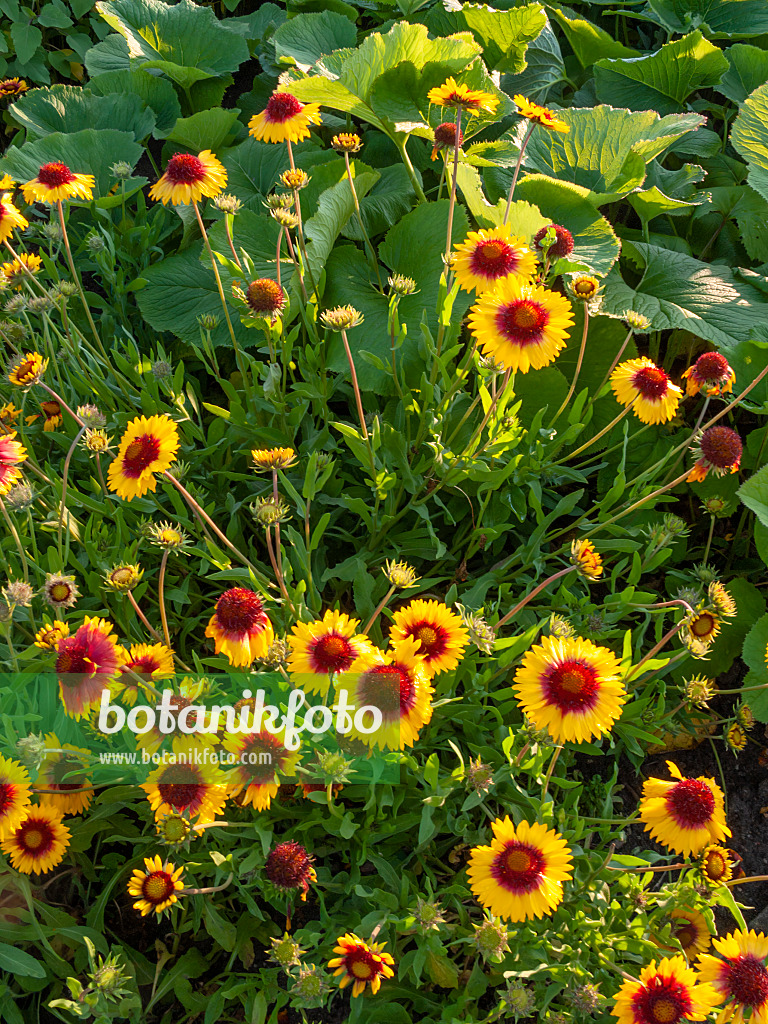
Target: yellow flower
261	759
586	559
15	273
148	446
187	784
324	648
38	842
440	632
26	369
12	87
14	795
453	94
647	388
740	979
685	815
10	218
522	325
156	887
669	994
690	929
240	627
571	688
65	774
188	178
715	865
265	459
149	662
520	875
54	182
540	115
284	119
361	963
49	635
485	257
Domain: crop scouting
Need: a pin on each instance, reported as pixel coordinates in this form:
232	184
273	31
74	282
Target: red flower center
186	789
260	757
239	610
572	686
703	625
562	245
715	865
661	1001
362	964
389	688
332	653
691	803
288	866
522	321
185	169
144	666
445	135
652	383
711	366
721	447
265	296
7	797
685	934
747	980
434	639
35	836
55	175
281	107
140	454
71	659
518	867
493	258
157	887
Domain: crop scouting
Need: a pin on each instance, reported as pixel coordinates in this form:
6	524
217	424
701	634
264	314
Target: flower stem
529	597
64	480
654	494
456	147
359	403
371	252
161	598
578	367
14	533
597	436
379	609
76	279
143	617
528	133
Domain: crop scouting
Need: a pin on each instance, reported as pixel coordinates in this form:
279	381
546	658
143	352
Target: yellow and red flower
187	178
586	559
440	631
685	815
86	663
10	218
445	138
260	759
715	865
18	270
148	446
571	688
55	181
324	648
38	842
486	257
14	795
539	115
12	87
156	887
361	963
691	930
187	692
28	368
267	459
188	783
740	978
50	634
647	388
54	417
12	454
711	373
522	325
150	662
455	94
668	994
60	591
520	875
717	449
239	626
63	782
265	298
284	119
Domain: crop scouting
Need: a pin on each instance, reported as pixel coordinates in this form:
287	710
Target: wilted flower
400	574
711	373
285	951
265	298
289	867
479	776
491	939
31	751
18	593
342	318
718	449
276	655
556	240
445	137
91	415
699	691
20	498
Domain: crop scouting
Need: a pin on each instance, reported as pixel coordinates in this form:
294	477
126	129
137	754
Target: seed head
520	999
276	655
554	240
428	914
479	776
20	498
18	594
161	370
310	989
91	416
31	750
491	939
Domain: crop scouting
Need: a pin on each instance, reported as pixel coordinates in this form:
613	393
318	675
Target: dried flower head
636	321
267	511
162	370
400	574
31	751
91	415
586	998
60	591
346	142
285	951
342	318
479	776
491	939
445	138
554	240
18	593
265	298
277	655
289	867
227	203
699	691
294	178
123	577
311	988
20	498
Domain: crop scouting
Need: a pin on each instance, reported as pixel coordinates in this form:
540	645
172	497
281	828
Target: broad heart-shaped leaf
606	150
588	41
750	211
253	167
109	56
718	19
390	198
306	38
544	67
652	202
748	70
663	80
185	41
67	108
677	291
331	93
86	152
749	136
158	93
208	129
754	494
503	35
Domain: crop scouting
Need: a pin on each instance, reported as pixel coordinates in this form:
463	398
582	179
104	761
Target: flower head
684	815
49	635
342	318
156	887
96	441
265	298
19	269
718	449
400	574
491	938
310	988
691	930
188	178
572	688
14	795
18	593
441	635
347	142
740	978
27	369
168	536
86	662
10	218
324	648
260	760
711	373
486	257
520	875
60	591
11	87
38	843
12	454
361	963
445	138
584	288
736	737
647	388
555	239
401	285
524	325
715	865
240	627
699	691
539	115
63	778
454	94
285	951
289	867
669	994
186	784
284	119
54	182
227	203
123	577
267	459
148	446
586	559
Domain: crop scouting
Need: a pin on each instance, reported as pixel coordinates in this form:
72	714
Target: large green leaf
332	93
748	70
390	198
67	108
158	93
544	67
663	80
589	42
749	134
754	494
208	129
718	19
335	207
606	150
306	38
86	152
183	40
503	35
749	210
677	291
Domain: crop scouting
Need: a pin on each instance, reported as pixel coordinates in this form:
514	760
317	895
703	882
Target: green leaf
755	644
750	211
503	35
108	56
183	40
441	970
544	67
303	40
754	494
54	14
606	150
545	387
158	93
67	109
677	291
390	198
718	19
26	38
589	42
16	961
748	70
86	152
335	208
332	93
749	136
207	129
652	202
663	80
